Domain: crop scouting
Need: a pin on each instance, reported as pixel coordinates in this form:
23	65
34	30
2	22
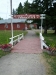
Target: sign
42	16
27	16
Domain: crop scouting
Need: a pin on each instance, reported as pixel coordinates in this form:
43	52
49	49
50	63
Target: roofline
13	21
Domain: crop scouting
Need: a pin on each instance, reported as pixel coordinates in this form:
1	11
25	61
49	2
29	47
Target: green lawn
51	60
50	39
5	35
3	53
4	38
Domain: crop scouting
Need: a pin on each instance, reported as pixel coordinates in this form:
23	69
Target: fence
43	44
16	39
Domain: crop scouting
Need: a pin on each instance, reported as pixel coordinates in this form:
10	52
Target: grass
51	60
5	35
50	39
3	53
4	38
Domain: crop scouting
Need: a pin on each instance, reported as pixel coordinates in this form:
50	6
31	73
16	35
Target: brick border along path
30	44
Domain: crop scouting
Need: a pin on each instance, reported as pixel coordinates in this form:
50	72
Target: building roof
13	21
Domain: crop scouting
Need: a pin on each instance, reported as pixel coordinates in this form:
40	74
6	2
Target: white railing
16	39
43	44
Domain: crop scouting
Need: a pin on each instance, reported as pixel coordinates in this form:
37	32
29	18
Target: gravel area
22	64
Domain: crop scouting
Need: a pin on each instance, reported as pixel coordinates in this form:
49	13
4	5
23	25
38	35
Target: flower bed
50	50
6	47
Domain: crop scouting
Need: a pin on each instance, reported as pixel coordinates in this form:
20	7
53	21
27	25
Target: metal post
11	21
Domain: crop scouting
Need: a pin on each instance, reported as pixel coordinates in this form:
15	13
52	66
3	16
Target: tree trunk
55	29
45	29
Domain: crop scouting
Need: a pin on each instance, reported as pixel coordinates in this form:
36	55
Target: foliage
1	18
52	13
19	10
27	7
40	7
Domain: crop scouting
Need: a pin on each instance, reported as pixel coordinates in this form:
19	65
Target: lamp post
42	16
11	21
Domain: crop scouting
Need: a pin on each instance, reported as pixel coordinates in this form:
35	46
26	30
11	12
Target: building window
18	26
6	26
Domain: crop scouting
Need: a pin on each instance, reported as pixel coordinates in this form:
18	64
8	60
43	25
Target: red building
18	24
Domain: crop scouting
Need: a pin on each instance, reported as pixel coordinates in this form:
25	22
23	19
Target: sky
5	7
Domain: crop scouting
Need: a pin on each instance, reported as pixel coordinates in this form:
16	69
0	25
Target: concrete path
22	63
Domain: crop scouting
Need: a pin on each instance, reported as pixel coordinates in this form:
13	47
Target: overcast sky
5	7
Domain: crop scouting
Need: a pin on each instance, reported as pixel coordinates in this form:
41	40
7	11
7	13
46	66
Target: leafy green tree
52	14
36	7
46	5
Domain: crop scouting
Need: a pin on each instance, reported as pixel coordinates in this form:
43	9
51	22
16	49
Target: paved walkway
30	44
29	63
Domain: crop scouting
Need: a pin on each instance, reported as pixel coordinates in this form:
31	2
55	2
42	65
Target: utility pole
11	21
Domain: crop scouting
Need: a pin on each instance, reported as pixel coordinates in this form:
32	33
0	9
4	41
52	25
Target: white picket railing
16	39
42	42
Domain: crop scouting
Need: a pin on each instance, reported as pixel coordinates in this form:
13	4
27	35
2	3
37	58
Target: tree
54	16
36	7
19	10
46	5
14	12
1	18
26	7
52	13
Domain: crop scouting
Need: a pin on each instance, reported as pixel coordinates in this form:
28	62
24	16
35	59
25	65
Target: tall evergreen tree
14	12
19	10
27	7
